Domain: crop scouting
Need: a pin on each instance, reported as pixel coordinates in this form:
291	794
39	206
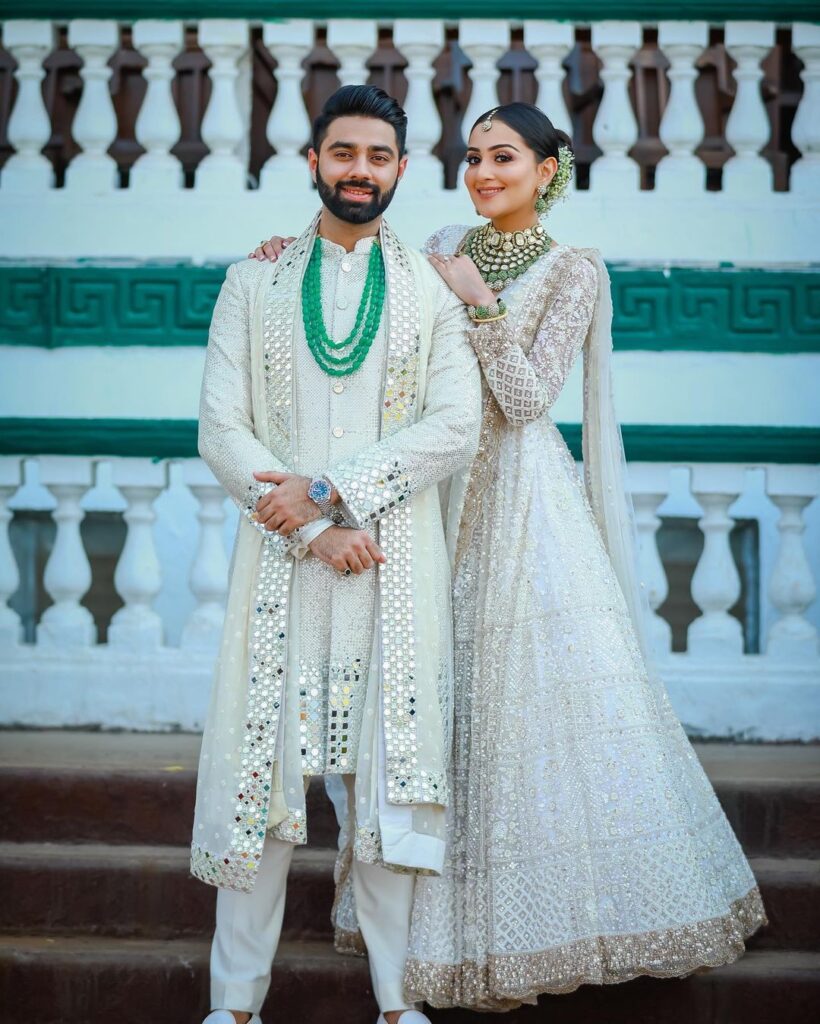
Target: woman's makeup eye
503	158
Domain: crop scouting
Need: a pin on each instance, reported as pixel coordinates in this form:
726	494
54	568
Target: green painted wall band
164	439
582	11
696	309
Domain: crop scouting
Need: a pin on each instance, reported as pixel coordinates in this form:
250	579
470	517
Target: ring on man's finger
348	571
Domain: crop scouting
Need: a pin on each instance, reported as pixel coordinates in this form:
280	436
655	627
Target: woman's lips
488	193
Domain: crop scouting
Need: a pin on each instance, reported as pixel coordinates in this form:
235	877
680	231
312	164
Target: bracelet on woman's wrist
481	314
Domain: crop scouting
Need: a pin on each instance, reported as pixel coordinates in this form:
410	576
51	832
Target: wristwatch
319	493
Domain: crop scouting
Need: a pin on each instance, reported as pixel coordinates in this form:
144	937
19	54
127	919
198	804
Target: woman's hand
272	249
463	278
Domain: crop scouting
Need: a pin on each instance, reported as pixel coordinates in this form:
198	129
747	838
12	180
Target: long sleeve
227	441
444	439
526	386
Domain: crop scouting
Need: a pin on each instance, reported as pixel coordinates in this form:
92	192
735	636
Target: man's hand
343	549
287	507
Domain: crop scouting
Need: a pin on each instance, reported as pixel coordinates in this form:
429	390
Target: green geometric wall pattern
715	309
168	439
584	11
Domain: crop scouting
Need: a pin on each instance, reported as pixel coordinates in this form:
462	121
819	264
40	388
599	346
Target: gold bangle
489	319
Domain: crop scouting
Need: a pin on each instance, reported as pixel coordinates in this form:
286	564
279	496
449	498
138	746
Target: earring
540	202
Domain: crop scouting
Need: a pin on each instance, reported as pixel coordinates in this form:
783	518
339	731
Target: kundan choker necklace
502	256
341	358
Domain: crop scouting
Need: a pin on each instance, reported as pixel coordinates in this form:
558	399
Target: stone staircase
100	922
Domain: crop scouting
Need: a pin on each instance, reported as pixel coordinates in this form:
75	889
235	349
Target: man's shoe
408	1017
226	1017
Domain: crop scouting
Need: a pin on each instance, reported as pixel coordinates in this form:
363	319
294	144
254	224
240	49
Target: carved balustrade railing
94	105
171	577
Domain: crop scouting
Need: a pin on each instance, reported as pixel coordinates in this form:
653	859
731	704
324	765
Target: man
339	388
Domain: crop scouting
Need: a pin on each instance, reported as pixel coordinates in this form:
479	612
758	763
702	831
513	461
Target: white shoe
408	1017
226	1017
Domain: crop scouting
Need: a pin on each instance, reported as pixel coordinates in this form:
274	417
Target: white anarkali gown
585	842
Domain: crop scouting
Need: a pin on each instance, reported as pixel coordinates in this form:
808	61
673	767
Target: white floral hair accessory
557	188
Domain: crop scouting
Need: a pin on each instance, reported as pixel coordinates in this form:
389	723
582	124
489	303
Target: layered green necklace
341	358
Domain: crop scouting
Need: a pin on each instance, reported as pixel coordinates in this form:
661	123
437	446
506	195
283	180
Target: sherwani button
345	266
338	387
341	303
338	431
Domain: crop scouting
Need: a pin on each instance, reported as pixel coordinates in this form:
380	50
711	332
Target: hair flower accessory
557	188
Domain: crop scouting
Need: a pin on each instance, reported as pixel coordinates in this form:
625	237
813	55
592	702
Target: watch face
319	490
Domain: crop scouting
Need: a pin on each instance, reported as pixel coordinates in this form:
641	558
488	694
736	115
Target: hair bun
564	140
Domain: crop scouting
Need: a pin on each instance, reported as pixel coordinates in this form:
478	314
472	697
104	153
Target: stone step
140	892
131	807
97	980
137	788
791	893
147	892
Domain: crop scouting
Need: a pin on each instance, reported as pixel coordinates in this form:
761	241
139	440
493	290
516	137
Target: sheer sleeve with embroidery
526	386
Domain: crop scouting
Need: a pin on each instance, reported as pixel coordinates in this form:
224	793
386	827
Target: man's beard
350	212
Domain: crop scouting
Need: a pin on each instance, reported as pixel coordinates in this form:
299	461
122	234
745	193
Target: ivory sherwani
320	673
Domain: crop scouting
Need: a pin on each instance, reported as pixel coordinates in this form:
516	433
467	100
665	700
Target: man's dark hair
360	101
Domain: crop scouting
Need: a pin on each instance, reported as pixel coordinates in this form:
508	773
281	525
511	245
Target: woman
586	844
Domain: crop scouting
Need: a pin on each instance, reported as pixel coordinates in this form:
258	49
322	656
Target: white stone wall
137	382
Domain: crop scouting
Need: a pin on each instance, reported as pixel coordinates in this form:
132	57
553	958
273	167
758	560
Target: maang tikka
487	125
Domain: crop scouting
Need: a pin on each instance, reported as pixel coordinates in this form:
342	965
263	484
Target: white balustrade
27	170
138	576
11	628
67	624
226	121
95	126
615	128
420	42
288	128
649	485
715	634
209	571
805	175
244	99
549	42
158	126
485	43
353	43
681	172
715	687
747	174
792	588
225	43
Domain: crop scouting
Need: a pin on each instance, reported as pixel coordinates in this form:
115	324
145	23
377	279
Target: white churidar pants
248	926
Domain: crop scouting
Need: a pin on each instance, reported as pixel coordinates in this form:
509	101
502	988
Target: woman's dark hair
534	127
360	101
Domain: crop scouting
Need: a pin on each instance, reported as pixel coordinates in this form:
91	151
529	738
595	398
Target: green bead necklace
341	358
